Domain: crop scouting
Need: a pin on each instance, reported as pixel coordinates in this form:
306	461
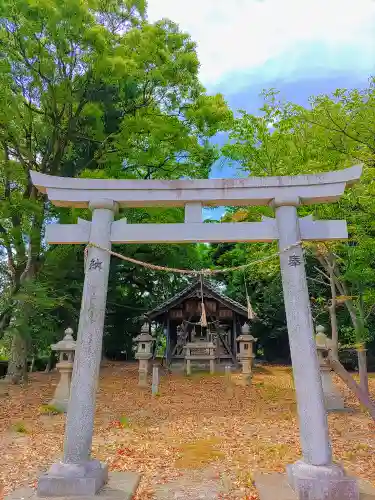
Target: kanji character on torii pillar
78	473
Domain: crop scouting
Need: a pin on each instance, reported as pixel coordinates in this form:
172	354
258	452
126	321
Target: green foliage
89	88
285	139
124	421
3	353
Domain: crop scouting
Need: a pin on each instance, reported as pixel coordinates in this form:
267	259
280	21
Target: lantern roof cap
144	337
246	338
67	343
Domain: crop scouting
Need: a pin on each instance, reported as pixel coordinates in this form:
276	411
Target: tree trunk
17	366
49	363
352	384
342	288
32	364
358	327
332	313
362	368
328	264
361	350
5	320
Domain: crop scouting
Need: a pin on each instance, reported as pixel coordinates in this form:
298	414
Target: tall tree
333	132
88	86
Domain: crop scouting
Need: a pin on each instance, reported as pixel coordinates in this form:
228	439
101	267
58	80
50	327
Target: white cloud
235	35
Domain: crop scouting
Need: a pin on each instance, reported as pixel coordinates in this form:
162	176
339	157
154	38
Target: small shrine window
225	313
176	313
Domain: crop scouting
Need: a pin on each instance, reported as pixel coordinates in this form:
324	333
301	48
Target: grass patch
277	394
198	454
20	427
125	422
269	455
122	423
246	478
50	410
276	451
358	450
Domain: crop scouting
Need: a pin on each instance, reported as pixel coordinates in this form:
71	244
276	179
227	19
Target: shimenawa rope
189	272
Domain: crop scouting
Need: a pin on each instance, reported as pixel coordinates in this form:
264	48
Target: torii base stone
276	486
64	479
120	486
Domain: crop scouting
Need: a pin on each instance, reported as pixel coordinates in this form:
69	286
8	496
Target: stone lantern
66	348
332	397
245	354
143	354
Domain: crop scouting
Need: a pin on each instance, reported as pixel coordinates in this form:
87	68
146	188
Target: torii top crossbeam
193	194
315	188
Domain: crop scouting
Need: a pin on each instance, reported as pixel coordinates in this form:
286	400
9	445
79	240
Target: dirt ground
196	429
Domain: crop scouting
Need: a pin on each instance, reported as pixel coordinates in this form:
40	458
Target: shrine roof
193	290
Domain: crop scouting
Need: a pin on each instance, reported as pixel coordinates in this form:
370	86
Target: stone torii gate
78	474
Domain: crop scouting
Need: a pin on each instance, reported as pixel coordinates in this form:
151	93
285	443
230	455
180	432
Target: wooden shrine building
181	316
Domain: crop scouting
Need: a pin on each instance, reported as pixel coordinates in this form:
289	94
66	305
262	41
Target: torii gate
78	473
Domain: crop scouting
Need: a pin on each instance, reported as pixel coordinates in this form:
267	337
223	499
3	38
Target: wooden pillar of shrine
234	334
167	327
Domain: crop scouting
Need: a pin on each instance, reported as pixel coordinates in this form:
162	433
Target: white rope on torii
201	273
191	272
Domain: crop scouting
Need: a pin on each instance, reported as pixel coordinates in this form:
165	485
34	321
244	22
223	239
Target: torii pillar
314	477
78	474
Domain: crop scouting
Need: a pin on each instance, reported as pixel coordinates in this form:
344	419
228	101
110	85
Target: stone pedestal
66	348
333	399
329	482
275	486
121	485
73	480
143	368
61	397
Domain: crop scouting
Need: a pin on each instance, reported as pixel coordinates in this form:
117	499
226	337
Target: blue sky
300	47
246	43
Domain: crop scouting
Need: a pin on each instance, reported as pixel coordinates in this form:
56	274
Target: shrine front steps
274	486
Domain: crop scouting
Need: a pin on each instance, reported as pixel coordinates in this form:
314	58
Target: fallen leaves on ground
195	424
